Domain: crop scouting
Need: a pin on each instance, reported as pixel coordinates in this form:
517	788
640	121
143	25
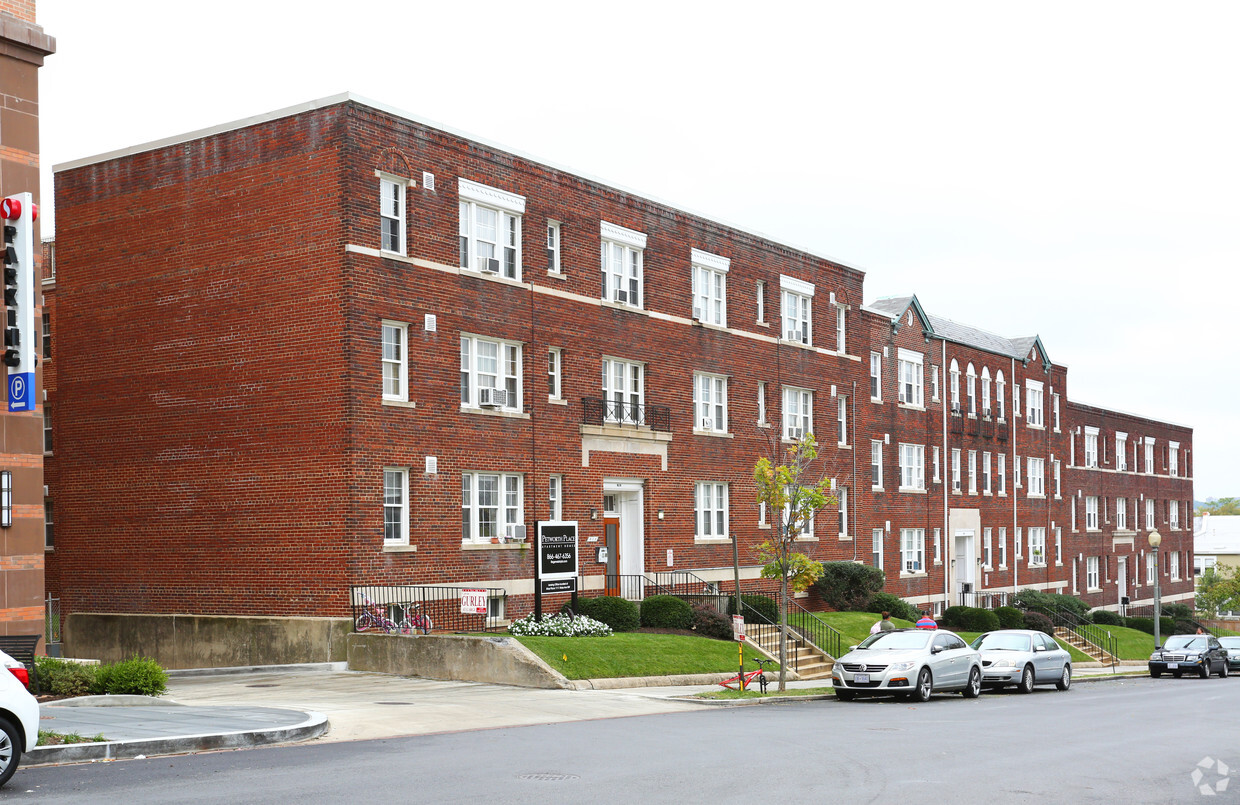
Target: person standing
926	622
883	625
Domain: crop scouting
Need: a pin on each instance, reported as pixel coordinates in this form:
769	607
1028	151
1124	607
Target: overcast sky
1065	169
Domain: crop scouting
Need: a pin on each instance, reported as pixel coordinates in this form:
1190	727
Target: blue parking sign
21	391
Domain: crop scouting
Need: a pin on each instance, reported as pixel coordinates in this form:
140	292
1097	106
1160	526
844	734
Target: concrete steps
807	661
1081	644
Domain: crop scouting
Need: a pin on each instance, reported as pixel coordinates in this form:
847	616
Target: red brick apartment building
333	345
23	46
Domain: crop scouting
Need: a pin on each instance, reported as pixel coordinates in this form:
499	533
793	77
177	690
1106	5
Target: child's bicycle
372	617
419	621
743	681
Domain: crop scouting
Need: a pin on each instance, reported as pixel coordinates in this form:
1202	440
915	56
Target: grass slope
629	654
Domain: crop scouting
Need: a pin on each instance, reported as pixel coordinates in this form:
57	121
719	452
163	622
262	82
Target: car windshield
1185	641
896	641
998	641
1230	642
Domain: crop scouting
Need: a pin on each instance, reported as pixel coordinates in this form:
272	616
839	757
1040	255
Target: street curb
307	667
315	725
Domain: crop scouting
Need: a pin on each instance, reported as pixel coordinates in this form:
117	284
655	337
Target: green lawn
628	654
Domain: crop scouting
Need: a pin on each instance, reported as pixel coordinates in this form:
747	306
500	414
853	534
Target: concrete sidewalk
211	709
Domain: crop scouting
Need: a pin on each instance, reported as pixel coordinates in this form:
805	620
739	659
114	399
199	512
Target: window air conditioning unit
492	398
697	313
955	486
515	532
796	433
489	264
956	409
706	423
986	413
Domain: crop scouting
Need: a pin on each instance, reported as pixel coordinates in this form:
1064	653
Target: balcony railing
957	423
988	428
1001	432
601	411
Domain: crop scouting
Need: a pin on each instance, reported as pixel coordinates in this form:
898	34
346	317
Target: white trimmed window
1016	472
1091	573
491	505
796	300
912	550
955	469
807	524
395	505
762	403
1150	568
911	368
840	318
1173	513
1058	546
1000	391
622	252
1091	447
798	412
1055	410
842	498
1149	513
555	367
553	247
841	417
1037	477
876	547
1019	543
710	403
1072	512
934	382
490	229
970	385
1149	455
1033	402
986	473
876	376
1175	566
490	374
936	464
1091	513
938	546
395	361
47	427
1058	477
1003	473
1121	451
1121	514
624	391
972	472
955	385
710	282
876	463
986	412
761	295
1003	547
711	509
555	496
1173	459
987	547
392	214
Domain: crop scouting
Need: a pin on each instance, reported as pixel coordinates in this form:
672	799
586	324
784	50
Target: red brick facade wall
219	325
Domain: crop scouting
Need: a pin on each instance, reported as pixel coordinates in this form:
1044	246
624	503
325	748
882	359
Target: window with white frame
1173	513
761	302
396	505
986	473
47	427
912	550
876	375
806	525
912	467
841	496
1003	547
622	253
840	319
1091	513
1173	459
710	402
762	403
986	412
1016	400
842	418
710	282
1033	402
1149	513
1203	563
1037	477
938	546
970	379
491	505
972	472
1091	573
624	391
392	214
555	367
1058	546
1058	476
876	547
987	547
934	382
1055	407
1121	514
490	374
798	412
1072	512
936	463
796	298
1149	455
1091	447
553	247
955	385
1150	568
711	507
49	523
1121	451
555	496
1175	565
910	371
1016	472
1000	391
876	463
490	229
955	469
395	361
1019	543
1003	473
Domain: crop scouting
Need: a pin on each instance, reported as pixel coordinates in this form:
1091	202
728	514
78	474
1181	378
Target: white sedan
1023	658
19	716
910	664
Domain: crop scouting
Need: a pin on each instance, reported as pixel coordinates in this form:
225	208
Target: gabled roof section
939	327
895	307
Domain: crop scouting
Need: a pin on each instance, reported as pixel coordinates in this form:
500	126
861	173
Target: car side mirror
1157	648
1039	648
852	648
935	649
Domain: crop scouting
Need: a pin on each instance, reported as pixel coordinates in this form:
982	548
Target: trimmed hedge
848	586
763	605
1105	617
666	612
970	619
621	614
1166	625
897	606
1039	622
708	622
1036	599
139	676
1010	618
1178	611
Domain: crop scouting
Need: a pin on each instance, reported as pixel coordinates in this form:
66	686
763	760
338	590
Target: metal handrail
601	411
822	635
441	604
1147	611
1093	634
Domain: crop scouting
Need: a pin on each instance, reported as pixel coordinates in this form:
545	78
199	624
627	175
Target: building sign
738	628
473	602
557	557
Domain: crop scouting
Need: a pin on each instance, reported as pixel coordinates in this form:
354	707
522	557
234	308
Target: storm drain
547	777
393	702
264	685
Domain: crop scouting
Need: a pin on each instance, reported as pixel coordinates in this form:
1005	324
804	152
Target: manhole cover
264	685
547	777
393	702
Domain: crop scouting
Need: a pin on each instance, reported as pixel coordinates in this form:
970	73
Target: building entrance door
965	568
611	542
1121	581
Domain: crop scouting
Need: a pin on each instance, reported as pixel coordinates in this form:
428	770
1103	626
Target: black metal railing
601	411
1001	432
957	423
982	599
380	607
1095	635
988	428
825	637
1147	611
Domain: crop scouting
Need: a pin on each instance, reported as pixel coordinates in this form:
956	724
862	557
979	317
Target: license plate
862	679
1173	665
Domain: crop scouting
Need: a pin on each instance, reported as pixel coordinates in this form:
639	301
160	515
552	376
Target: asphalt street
1133	741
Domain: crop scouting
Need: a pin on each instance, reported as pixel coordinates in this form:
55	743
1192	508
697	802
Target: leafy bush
62	678
139	676
970	619
1166	625
1178	611
620	614
848	586
1036	599
1039	622
763	605
559	626
666	612
953	617
1010	618
708	622
1105	617
1185	627
894	604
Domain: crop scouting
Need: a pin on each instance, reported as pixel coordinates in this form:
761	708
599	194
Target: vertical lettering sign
557	557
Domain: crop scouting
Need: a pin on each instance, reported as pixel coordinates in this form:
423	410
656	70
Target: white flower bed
559	626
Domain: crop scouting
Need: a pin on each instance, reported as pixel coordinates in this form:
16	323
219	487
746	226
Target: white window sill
1093	589
387	253
560	275
921	574
877	489
716	433
1039	497
489	277
805	538
400	548
843	445
622	306
878	400
400	403
912	490
1003	567
493	546
712	540
1035	427
495	412
986	494
797	344
556	401
845	538
764	526
764	424
710	325
763	323
912	407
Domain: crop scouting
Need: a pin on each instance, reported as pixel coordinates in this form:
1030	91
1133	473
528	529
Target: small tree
1219	589
792	496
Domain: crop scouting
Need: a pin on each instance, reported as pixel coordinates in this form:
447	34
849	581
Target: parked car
1023	658
910	664
1199	653
1232	645
19	716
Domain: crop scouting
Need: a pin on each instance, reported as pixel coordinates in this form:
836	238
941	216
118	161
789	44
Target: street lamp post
1155	541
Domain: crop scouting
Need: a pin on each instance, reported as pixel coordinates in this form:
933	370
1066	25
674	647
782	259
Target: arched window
955	378
971	388
1000	395
986	391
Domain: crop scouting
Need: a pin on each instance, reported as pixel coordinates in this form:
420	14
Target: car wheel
10	750
1204	670
1177	674
1065	679
1157	674
1222	671
974	688
844	695
1026	680
925	686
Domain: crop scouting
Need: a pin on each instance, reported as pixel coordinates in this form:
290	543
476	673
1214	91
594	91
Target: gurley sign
557	557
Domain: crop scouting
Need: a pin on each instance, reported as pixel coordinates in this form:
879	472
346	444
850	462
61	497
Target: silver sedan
909	663
1023	658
